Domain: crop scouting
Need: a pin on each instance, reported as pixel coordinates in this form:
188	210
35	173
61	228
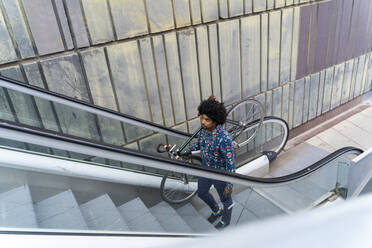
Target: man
215	145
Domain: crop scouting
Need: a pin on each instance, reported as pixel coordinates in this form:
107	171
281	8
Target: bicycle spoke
242	119
177	189
233	122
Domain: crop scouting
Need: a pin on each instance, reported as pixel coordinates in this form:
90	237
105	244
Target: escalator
71	170
67	194
40	110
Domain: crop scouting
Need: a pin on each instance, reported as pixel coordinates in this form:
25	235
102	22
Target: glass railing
114	182
51	192
46	111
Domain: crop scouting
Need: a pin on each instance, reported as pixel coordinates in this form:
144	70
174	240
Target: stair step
241	215
17	209
197	222
138	217
206	212
169	218
257	204
60	211
326	177
286	198
248	206
309	189
243	196
290	161
102	214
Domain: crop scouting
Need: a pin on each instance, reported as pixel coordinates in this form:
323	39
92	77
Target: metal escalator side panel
360	173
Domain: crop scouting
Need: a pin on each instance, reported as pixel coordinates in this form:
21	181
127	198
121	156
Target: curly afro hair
214	110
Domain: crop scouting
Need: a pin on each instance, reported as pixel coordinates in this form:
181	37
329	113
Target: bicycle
244	120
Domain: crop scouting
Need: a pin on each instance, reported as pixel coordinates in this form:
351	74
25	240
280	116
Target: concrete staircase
62	211
65	209
306	193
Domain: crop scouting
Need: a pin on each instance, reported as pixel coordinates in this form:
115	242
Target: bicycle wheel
244	120
178	188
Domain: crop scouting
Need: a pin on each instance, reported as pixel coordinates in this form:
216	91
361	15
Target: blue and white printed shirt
216	149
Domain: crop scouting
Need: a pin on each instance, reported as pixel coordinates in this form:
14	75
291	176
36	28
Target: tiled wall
156	59
332	32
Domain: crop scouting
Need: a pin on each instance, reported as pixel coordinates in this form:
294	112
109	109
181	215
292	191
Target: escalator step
139	217
310	189
60	211
169	218
101	214
257	204
249	206
17	209
286	198
196	221
241	215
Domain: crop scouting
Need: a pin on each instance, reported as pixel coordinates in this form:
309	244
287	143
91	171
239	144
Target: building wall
157	59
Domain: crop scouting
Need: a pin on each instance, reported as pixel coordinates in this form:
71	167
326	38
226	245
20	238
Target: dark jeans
204	184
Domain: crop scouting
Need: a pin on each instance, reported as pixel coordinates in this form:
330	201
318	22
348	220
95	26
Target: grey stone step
257	204
305	193
60	212
295	159
101	214
206	212
326	177
248	206
17	209
169	218
241	215
138	217
286	198
309	189
196	221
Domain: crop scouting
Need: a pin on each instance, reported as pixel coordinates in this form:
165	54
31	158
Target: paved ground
351	128
355	130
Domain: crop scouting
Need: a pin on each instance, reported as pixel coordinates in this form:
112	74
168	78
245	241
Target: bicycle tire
282	126
183	192
249	113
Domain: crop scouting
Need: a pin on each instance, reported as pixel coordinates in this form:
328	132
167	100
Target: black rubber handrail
319	164
67	98
13	81
77	233
89	143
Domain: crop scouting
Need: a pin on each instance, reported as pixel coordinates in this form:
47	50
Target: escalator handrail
192	168
96	233
319	164
53	96
79	104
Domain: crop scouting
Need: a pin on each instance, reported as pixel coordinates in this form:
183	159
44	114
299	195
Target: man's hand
181	155
228	190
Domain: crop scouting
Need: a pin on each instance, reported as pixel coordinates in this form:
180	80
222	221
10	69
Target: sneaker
215	215
221	225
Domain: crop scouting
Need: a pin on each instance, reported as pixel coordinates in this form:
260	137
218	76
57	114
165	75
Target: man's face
207	122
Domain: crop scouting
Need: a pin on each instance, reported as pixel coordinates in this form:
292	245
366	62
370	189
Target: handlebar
162	148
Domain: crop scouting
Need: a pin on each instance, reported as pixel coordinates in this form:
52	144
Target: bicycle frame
189	139
183	146
236	129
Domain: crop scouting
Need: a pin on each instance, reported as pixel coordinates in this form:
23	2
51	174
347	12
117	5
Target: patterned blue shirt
216	149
